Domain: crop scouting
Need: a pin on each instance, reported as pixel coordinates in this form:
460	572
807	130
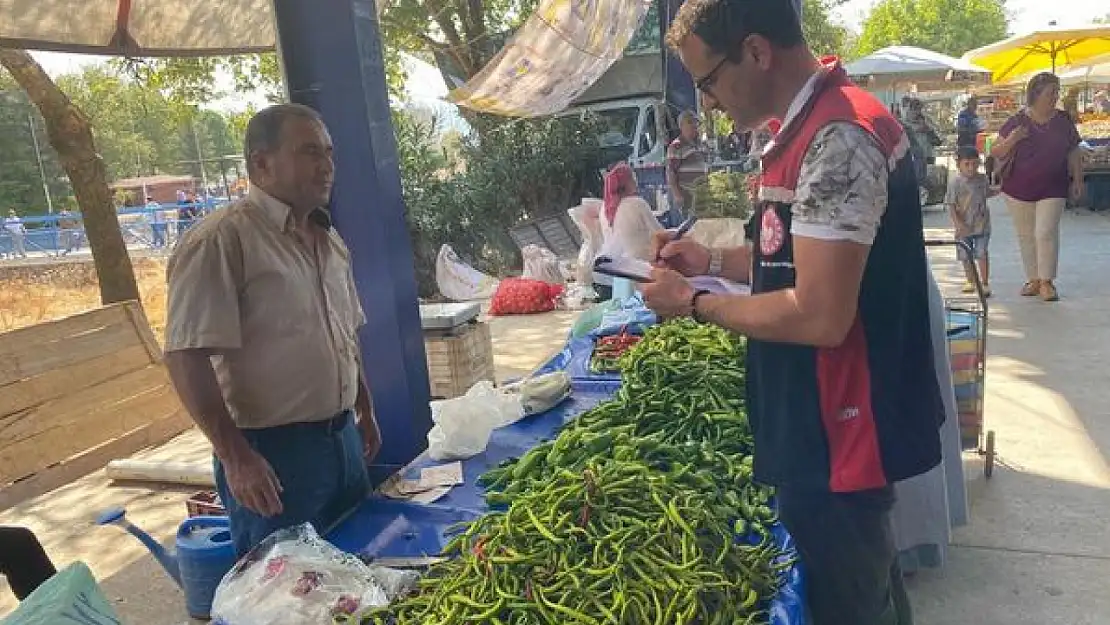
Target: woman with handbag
1039	164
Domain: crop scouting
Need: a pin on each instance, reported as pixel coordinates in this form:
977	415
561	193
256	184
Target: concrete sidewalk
1037	550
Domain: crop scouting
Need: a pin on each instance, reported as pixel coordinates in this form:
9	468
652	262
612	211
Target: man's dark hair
967	153
722	24
264	129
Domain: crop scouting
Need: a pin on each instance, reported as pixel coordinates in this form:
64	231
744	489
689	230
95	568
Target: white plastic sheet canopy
138	27
905	63
562	49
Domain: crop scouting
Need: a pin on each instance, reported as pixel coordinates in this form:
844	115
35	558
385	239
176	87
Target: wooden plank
47	447
71	379
71	409
29	360
64	328
142	328
90	460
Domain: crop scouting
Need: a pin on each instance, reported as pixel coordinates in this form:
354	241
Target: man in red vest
842	393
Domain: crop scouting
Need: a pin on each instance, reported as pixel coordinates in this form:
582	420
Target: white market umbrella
907	64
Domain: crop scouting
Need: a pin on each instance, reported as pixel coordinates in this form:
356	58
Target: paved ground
1037	551
143	594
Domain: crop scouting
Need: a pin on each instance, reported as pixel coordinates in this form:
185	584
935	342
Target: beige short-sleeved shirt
282	321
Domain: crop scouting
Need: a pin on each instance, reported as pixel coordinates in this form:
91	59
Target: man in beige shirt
261	338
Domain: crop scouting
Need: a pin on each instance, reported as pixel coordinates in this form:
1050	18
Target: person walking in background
67	231
969	124
188	212
1101	102
925	137
18	233
966	201
23	561
1041	164
687	162
157	223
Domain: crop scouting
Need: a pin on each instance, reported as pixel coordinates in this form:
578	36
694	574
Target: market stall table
387	528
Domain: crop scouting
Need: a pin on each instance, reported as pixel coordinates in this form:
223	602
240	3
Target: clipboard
624	267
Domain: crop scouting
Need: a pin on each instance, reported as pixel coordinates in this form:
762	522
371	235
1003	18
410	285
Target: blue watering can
204	553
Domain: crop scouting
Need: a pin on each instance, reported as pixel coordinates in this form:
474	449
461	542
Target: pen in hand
681	232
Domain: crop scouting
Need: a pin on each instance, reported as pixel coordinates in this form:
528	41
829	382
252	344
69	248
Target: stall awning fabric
138	27
562	49
909	62
1098	72
1041	50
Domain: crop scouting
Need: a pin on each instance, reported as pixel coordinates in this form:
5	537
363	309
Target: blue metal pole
332	58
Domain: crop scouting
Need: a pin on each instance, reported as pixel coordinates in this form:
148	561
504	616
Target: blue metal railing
58	234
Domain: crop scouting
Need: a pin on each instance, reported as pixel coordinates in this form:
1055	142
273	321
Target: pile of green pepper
642	510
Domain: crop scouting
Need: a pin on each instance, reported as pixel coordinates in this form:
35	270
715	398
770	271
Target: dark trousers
158	235
848	554
322	474
23	561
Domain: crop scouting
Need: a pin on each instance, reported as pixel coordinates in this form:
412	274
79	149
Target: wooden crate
77	393
458	358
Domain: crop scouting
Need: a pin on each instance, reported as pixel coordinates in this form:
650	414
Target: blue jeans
322	474
978	244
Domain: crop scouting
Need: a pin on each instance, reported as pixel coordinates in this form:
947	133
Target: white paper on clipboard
624	267
640	271
720	286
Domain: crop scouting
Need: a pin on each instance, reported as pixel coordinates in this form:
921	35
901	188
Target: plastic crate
555	232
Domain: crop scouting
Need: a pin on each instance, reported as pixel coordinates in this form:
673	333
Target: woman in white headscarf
928	506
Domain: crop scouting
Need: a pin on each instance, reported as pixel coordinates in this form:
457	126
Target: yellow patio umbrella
1041	50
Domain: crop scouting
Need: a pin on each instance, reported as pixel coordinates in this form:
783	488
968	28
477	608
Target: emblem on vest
772	232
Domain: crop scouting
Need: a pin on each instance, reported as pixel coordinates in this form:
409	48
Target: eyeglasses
705	83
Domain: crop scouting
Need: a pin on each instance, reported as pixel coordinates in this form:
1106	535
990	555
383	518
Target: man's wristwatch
716	260
694	304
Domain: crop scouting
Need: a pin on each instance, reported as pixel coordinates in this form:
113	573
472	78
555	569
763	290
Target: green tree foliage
947	26
824	35
138	132
21	185
464	33
69	132
193	81
515	171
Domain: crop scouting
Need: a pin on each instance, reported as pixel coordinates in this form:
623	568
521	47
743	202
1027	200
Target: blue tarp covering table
384	527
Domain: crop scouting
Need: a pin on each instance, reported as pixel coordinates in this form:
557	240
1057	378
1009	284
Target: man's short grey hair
264	129
687	116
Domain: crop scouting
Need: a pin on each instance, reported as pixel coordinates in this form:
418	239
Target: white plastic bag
463	424
579	296
541	264
459	281
586	217
294	576
541	392
719	232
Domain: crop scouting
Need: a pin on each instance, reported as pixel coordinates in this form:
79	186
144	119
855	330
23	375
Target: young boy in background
967	205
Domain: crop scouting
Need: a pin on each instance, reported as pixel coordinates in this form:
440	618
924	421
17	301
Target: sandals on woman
1048	291
1045	289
